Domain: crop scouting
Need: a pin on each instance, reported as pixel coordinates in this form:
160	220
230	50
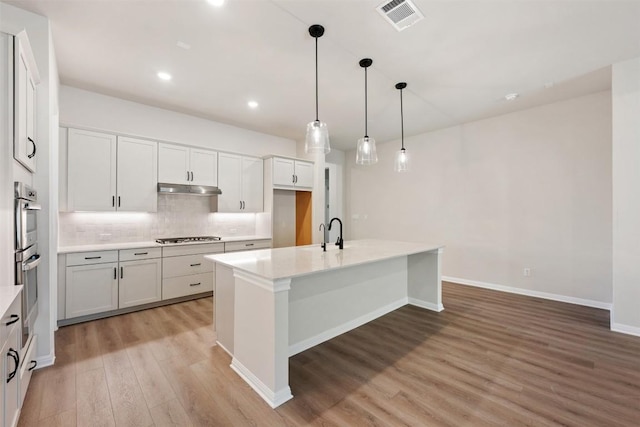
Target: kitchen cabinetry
26	78
292	174
185	271
178	164
10	337
91	283
241	182
109	280
109	173
140	277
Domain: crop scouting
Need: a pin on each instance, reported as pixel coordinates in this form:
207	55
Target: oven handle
32	207
35	260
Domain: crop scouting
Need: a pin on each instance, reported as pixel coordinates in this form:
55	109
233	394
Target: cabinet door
25	148
283	171
252	189
173	164
203	167
91	171
11	386
140	282
137	175
230	182
91	289
304	174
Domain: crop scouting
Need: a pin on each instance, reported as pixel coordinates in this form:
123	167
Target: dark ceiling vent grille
400	13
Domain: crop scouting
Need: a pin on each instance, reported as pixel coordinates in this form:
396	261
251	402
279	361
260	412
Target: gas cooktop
171	240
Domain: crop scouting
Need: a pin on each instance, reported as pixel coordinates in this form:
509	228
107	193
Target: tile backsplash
178	215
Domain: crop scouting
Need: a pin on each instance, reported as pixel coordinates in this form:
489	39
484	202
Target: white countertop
7	295
148	244
295	261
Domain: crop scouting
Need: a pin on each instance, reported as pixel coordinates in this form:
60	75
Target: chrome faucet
340	242
324	237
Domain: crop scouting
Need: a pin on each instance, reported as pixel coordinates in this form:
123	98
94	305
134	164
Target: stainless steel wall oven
27	257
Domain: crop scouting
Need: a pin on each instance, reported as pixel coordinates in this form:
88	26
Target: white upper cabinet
26	78
240	179
106	173
292	174
173	164
178	164
91	171
204	167
137	175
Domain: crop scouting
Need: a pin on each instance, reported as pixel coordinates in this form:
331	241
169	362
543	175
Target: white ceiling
459	61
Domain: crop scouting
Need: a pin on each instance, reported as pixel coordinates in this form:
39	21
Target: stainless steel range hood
194	190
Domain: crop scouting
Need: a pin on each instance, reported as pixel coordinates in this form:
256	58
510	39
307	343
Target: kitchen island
271	304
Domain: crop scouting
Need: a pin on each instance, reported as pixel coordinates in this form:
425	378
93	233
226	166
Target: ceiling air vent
400	13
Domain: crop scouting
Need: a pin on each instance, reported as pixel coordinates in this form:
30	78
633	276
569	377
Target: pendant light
366	148
402	161
317	139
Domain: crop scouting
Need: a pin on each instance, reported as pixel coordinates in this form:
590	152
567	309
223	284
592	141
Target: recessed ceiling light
216	3
252	104
164	76
511	96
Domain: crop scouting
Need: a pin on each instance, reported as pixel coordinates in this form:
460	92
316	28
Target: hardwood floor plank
88	354
128	403
94	404
155	386
170	413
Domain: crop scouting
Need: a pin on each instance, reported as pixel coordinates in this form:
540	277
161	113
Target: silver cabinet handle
195	265
195	284
32	207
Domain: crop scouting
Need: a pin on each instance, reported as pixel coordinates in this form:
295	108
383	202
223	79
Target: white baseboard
274	399
625	329
224	348
44	361
425	304
530	293
345	327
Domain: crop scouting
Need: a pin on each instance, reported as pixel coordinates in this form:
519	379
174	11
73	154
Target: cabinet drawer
10	320
204	248
187	285
96	257
28	365
247	245
141	253
185	265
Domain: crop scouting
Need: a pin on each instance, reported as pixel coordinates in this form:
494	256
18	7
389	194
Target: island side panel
224	300
424	280
260	339
327	304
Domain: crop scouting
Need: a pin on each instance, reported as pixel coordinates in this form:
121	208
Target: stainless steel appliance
27	257
174	240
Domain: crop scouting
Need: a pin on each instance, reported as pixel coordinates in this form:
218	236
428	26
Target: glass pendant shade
317	140
402	161
366	151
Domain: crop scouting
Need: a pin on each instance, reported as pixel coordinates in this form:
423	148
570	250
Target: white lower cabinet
91	289
10	365
186	272
140	282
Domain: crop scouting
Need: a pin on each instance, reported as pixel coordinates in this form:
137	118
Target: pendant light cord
317	120
401	119
366	133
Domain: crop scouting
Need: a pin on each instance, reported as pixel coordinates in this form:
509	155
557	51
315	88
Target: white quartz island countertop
298	261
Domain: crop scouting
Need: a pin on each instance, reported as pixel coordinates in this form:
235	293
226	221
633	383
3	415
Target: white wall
13	20
530	189
91	110
626	197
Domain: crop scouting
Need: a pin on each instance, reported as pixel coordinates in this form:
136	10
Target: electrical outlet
526	272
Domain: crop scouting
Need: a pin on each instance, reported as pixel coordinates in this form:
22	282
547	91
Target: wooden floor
489	359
